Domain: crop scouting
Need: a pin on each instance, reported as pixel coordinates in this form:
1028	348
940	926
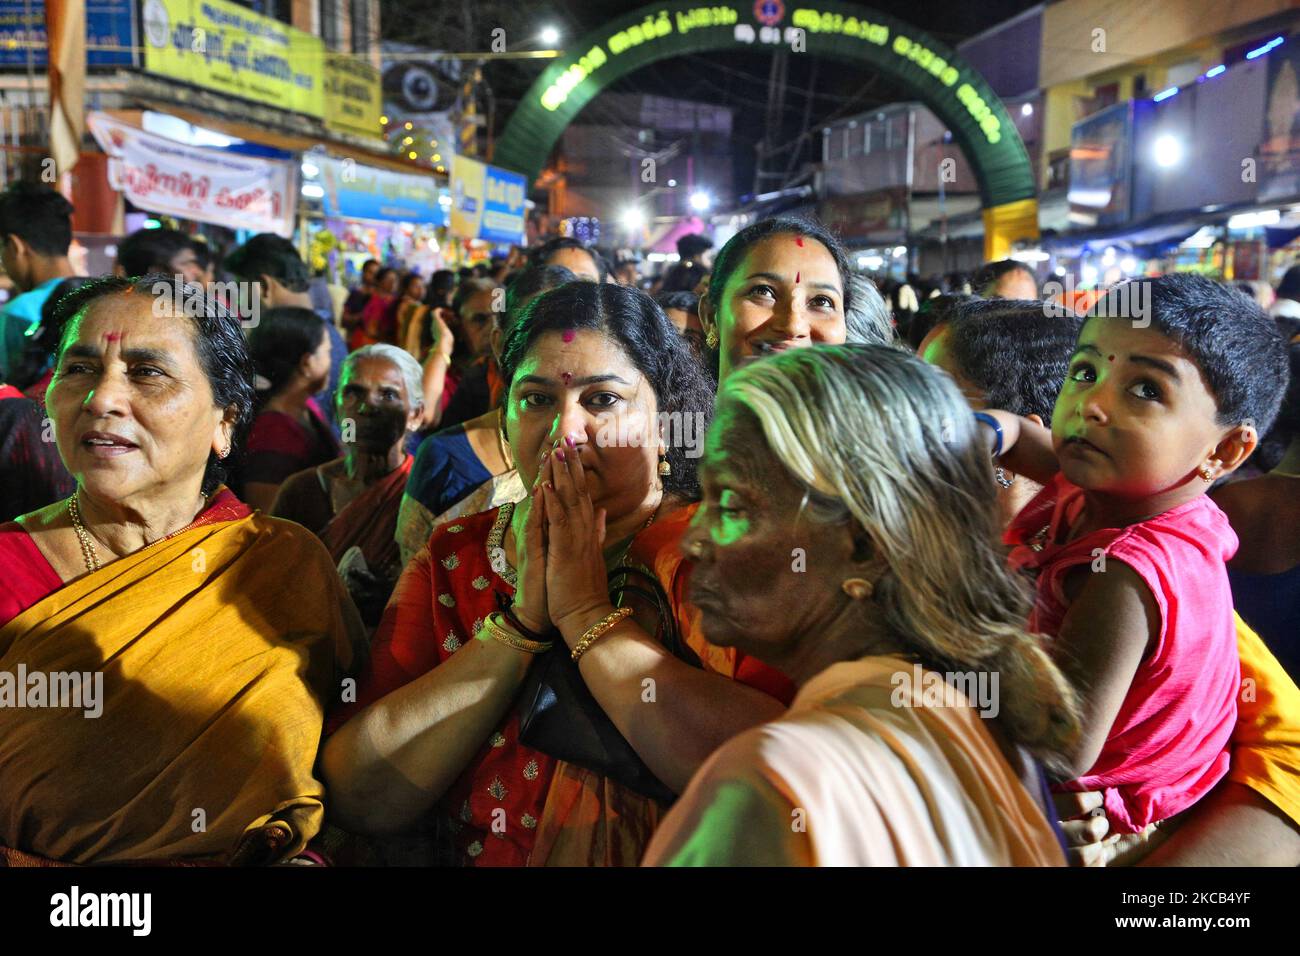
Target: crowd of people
528	565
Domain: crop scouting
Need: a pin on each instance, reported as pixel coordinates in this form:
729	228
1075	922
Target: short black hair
539	255
443	282
630	317
1289	287
1237	347
151	250
38	215
279	341
986	278
693	245
526	285
1286	427
936	310
270	255
218	340
683	277
1017	352
685	301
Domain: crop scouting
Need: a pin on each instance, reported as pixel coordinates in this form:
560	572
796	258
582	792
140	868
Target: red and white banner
191	182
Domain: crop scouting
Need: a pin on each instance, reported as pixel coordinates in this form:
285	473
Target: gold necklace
88	551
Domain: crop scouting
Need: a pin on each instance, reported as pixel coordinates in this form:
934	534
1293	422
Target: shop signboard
190	182
487	202
110	33
1100	191
356	191
1279	150
224	47
353	96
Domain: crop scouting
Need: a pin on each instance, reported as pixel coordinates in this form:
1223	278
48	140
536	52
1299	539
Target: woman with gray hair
847	536
351	503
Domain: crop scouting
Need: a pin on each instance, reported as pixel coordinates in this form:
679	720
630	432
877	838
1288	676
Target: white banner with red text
163	176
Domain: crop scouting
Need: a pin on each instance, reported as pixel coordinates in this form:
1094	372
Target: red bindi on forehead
1110	358
796	278
113	336
798	241
567	377
569	335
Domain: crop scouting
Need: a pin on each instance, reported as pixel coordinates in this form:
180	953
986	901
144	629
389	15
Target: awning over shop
1148	239
286	141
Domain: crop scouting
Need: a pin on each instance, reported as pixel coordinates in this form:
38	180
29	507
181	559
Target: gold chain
87	546
88	549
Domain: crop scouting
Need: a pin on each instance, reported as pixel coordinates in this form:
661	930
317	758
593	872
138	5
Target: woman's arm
436	364
674	715
1232	826
388	765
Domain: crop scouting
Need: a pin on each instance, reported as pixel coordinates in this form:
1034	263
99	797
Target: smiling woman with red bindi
758	303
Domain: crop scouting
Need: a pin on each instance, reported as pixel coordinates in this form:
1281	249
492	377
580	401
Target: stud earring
1207	475
858	588
711	337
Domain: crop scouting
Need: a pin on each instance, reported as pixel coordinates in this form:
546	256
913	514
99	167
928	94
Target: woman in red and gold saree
433	742
166	656
353	501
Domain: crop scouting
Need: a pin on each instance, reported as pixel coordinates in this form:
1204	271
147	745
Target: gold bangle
496	628
597	631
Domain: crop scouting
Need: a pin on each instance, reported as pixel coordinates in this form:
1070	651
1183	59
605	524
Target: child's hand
1026	445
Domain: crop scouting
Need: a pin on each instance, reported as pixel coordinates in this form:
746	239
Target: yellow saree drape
219	650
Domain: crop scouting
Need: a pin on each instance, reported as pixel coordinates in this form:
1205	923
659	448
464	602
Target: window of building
360	26
329	24
281	10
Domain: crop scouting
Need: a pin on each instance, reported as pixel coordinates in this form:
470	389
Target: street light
1168	151
700	201
550	36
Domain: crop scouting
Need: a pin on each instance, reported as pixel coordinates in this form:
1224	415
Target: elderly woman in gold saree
847	537
204	640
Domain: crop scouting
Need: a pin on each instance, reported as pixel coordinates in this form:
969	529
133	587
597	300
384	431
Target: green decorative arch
930	71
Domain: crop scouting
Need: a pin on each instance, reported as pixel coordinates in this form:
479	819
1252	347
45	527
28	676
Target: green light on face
731	527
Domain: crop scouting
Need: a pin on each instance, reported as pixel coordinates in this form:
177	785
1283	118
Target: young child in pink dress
1171	383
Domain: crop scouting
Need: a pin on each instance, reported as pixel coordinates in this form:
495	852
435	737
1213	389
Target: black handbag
559	716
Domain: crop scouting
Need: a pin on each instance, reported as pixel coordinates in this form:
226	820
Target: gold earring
1207	475
858	588
711	337
665	469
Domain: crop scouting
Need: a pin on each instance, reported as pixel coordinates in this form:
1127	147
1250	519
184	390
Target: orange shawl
218	651
868	768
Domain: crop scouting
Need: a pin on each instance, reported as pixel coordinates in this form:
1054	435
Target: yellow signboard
353	95
467	178
224	47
